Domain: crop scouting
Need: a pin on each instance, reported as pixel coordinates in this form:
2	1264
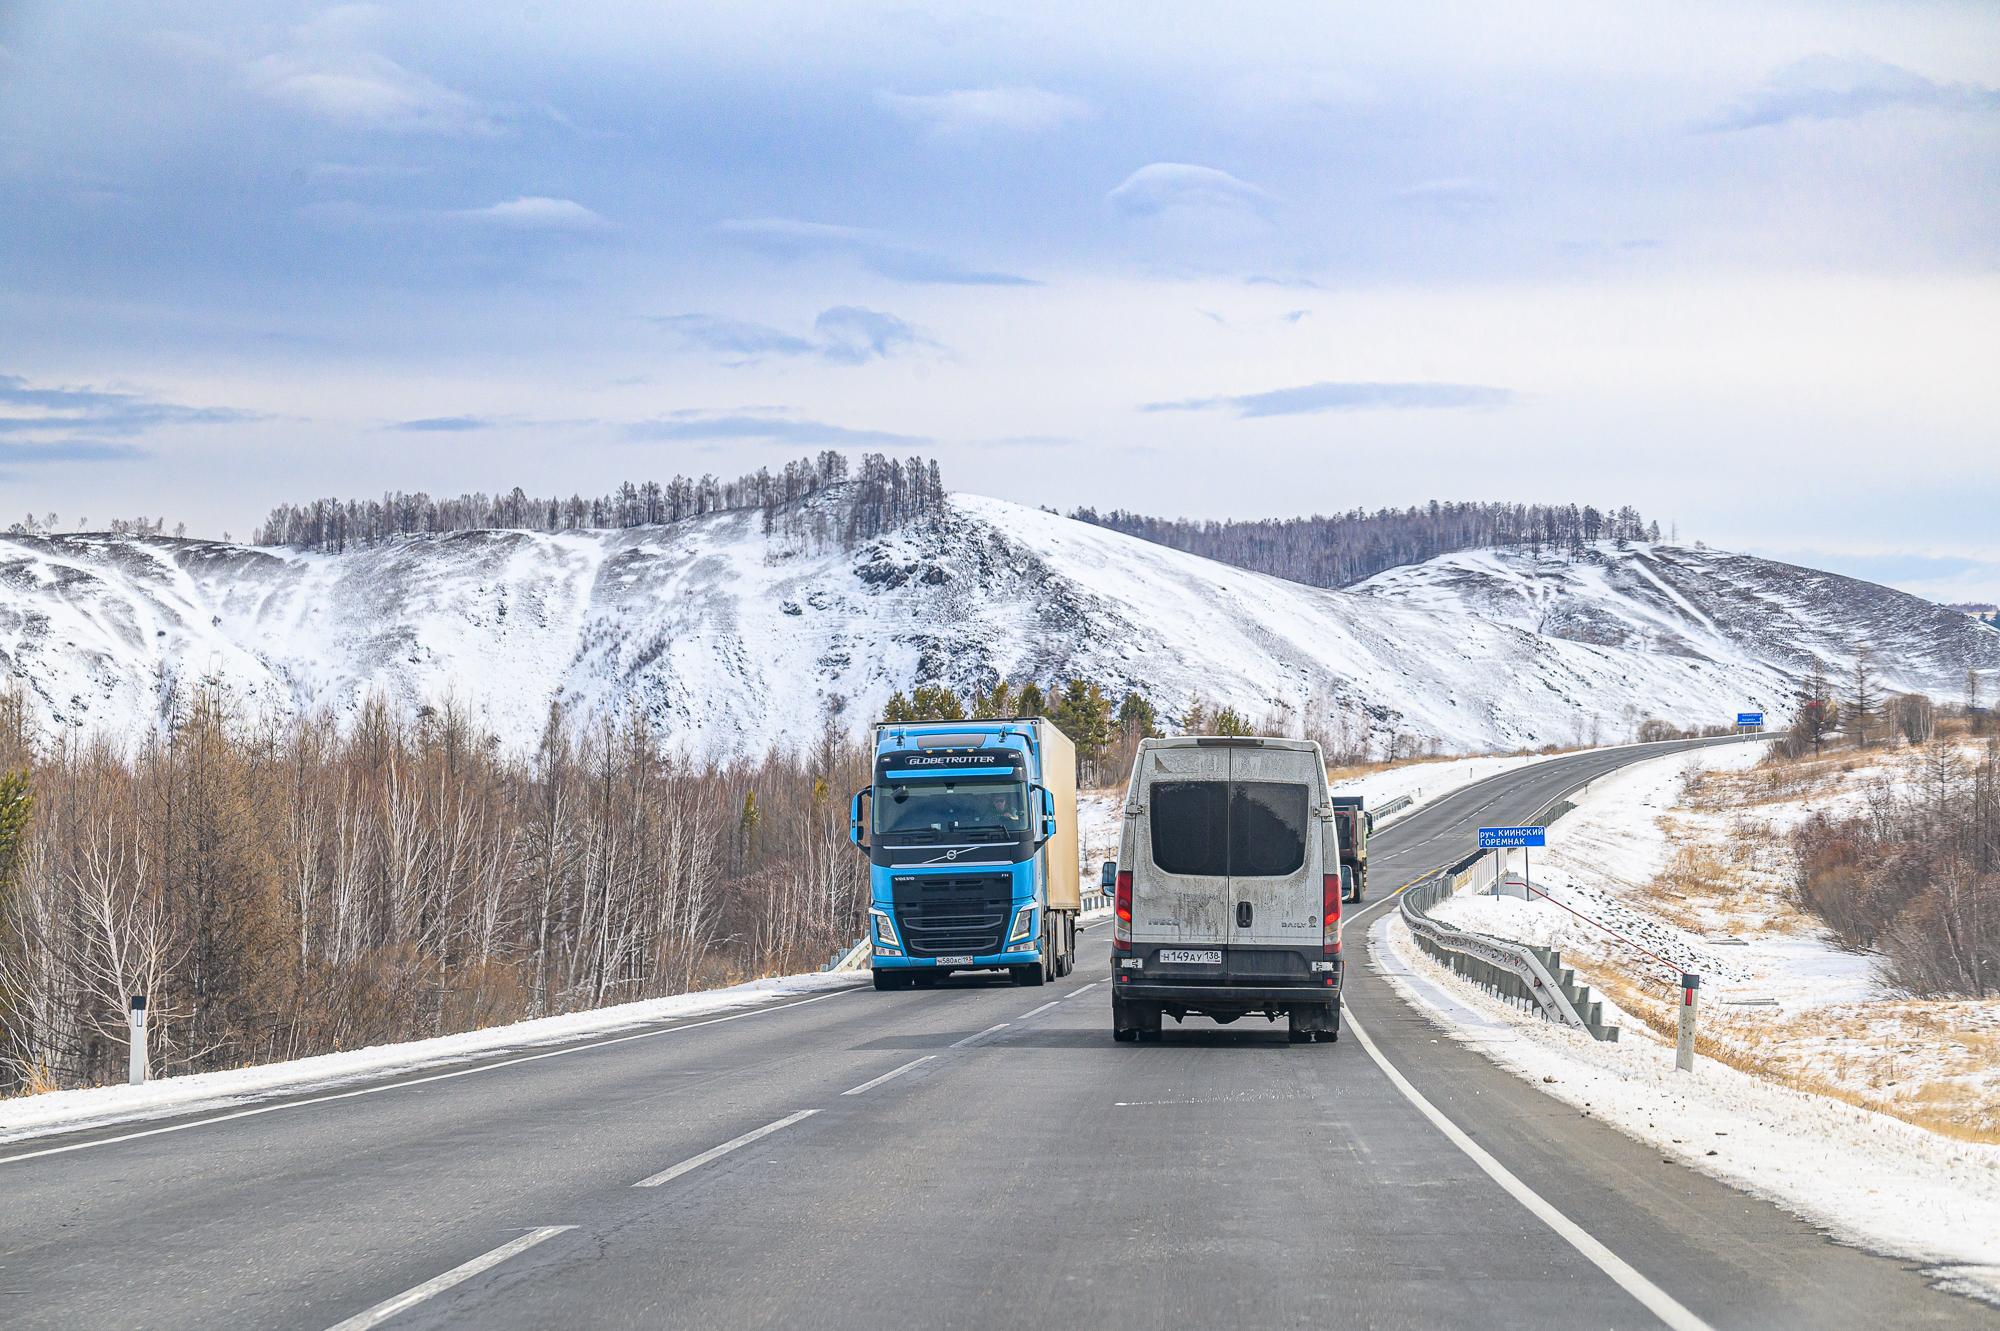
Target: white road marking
872	1084
1657	1301
1040	1010
458	1275
1001	1026
1079	989
717	1152
414	1081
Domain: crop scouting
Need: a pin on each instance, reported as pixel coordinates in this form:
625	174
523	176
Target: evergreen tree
1229	721
1084	714
995	703
935	702
1137	717
1032	703
897	711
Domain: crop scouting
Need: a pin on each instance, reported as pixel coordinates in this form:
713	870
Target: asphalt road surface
975	1156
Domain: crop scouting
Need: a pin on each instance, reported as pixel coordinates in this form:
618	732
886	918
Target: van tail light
1121	912
1329	914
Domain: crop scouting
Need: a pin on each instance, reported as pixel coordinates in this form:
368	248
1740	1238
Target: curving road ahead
977	1156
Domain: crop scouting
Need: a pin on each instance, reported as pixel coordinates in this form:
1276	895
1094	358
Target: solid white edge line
1039	1011
414	1081
410	1298
998	1026
717	1152
1656	1300
873	1082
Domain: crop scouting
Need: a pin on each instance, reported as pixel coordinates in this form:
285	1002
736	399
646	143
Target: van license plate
954	961
1181	956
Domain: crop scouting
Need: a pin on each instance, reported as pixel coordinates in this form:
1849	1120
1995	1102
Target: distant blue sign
1512	838
1749	718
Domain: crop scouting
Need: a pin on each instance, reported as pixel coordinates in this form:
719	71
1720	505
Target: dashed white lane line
410	1298
1080	988
1656	1300
414	1081
998	1026
717	1152
1040	1010
877	1081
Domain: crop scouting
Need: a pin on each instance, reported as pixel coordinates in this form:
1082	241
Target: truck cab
1227	889
970	832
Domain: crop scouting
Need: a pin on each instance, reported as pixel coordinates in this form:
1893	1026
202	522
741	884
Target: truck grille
953	914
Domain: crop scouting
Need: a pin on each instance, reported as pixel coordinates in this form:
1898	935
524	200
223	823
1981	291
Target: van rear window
1242	829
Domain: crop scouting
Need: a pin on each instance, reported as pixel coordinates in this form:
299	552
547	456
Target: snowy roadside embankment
62	1111
1819	1085
1864	1177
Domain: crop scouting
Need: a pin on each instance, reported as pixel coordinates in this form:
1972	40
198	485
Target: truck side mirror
854	819
1107	875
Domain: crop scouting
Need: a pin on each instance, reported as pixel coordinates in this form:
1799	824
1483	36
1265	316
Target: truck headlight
885	930
1024	924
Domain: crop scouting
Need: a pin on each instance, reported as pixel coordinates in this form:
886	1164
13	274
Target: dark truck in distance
1227	888
1355	824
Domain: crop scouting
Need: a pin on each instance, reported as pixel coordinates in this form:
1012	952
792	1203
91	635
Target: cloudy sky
1737	264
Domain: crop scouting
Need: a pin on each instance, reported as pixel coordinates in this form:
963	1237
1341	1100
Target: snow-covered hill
1706	605
734	639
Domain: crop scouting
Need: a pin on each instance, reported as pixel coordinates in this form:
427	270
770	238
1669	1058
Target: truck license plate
954	961
1181	956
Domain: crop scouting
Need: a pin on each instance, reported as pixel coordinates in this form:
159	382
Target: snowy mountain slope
1703	604
733	639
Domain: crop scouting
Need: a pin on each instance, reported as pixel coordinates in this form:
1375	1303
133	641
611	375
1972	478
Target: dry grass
1918	1061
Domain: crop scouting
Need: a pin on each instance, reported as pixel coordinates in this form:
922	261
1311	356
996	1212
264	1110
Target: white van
1227	887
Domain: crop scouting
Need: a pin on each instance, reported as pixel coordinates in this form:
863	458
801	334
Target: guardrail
1396	805
1520	971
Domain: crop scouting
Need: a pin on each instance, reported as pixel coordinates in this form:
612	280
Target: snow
1765	616
1864	1177
734	640
62	1111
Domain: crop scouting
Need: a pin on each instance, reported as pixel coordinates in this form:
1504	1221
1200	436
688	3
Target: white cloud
1025	110
328	73
1164	187
1825	87
533	212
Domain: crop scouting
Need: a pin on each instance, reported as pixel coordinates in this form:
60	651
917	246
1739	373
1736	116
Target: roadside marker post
136	1019
1684	1054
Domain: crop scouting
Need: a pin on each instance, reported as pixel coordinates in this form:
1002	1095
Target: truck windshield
931	812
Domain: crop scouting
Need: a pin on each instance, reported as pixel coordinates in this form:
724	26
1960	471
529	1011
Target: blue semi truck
970	832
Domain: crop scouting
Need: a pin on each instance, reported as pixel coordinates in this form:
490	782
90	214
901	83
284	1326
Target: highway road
975	1156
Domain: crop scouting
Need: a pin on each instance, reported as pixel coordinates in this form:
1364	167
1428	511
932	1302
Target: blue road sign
1749	718
1511	838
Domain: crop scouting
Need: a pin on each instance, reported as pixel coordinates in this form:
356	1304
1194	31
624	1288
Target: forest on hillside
881	494
1341	550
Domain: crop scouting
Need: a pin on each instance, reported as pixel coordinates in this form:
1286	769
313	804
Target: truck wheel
1125	1034
1026	975
1361	886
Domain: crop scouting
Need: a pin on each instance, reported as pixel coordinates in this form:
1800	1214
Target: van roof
1232	741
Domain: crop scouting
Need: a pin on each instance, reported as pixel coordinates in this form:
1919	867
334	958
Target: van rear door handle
1243	915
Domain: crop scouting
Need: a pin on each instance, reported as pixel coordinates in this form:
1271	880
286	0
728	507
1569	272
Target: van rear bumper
1226	996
